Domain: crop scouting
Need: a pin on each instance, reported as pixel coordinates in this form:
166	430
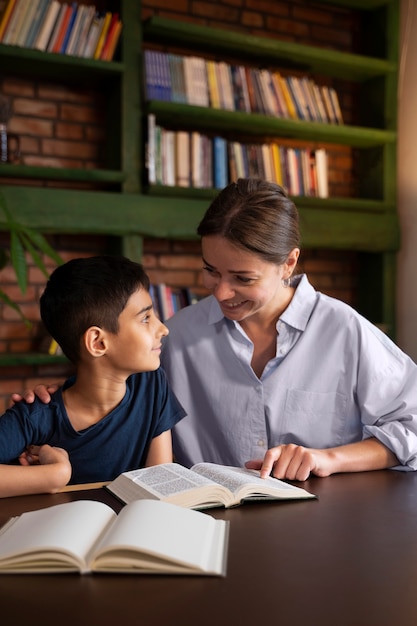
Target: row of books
194	160
64	28
168	300
202	82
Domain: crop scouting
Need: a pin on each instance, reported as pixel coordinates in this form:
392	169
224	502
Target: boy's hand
43	455
43	392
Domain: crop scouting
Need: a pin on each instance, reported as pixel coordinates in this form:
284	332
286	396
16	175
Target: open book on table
147	537
204	485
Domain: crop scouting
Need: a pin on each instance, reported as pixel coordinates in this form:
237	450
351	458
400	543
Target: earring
286	282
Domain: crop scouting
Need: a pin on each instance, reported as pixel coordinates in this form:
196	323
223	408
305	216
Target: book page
244	482
169	534
68	530
160	481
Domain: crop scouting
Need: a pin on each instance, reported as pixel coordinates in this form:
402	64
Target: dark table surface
348	558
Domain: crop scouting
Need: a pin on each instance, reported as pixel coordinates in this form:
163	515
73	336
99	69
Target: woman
274	373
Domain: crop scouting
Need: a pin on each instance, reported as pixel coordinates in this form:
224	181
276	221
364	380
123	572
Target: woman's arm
160	450
297	462
47	471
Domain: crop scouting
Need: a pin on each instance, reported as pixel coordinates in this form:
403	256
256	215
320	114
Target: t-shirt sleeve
170	409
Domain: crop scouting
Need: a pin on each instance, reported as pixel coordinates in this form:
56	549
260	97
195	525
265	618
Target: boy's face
137	345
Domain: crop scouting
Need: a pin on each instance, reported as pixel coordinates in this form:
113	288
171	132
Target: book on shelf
47	27
321	170
112	39
205	485
212	83
220	163
93	36
6	17
37	21
15	21
103	34
85	536
81	38
56	32
26	22
69	26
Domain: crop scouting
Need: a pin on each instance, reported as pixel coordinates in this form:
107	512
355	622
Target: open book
147	537
204	485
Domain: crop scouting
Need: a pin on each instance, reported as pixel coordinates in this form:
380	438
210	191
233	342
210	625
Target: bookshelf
130	210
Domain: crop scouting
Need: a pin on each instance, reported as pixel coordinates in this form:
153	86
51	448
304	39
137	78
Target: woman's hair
256	215
88	292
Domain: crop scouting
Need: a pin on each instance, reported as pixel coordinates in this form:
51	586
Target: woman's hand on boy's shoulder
43	392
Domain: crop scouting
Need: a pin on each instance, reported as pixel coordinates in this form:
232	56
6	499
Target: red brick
31	126
35	108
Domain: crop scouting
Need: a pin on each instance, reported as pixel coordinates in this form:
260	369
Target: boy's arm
160	450
51	473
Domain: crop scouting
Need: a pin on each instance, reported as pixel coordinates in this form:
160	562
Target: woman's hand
292	462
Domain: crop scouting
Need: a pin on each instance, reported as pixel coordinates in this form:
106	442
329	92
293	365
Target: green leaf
34	254
38	240
15	307
17	253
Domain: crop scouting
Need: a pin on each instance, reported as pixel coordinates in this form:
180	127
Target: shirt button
261	443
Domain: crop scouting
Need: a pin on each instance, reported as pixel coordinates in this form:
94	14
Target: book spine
6	17
27	21
37	23
71	15
47	28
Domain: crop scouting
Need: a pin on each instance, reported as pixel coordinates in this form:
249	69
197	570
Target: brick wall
63	125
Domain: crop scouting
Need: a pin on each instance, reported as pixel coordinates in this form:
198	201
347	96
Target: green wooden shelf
365	5
22	61
256	124
65	174
263	50
32	358
333	223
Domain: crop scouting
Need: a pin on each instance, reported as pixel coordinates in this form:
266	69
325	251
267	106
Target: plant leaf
38	240
15	307
17	254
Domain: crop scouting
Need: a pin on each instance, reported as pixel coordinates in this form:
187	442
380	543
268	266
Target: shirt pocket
315	419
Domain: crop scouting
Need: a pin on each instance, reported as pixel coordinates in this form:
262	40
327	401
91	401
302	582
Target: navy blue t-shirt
118	443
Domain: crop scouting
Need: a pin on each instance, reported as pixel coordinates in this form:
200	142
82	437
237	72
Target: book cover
110	33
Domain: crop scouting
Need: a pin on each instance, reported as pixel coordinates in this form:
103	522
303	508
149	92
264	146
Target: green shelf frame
21	61
188	116
264	50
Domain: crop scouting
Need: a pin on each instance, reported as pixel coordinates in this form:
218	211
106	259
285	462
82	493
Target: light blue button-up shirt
335	379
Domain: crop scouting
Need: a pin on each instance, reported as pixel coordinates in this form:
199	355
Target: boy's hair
88	292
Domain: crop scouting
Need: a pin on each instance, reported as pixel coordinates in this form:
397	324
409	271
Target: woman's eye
245	279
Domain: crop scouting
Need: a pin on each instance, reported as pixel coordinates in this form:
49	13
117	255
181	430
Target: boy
117	412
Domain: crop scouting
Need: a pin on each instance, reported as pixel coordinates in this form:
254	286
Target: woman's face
243	284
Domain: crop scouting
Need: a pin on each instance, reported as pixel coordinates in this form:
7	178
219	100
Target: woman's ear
95	341
290	264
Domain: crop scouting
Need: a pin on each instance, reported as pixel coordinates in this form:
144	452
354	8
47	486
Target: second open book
204	485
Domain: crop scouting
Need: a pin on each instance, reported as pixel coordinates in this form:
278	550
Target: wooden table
346	559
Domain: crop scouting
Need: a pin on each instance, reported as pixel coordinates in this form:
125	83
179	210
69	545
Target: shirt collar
296	314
